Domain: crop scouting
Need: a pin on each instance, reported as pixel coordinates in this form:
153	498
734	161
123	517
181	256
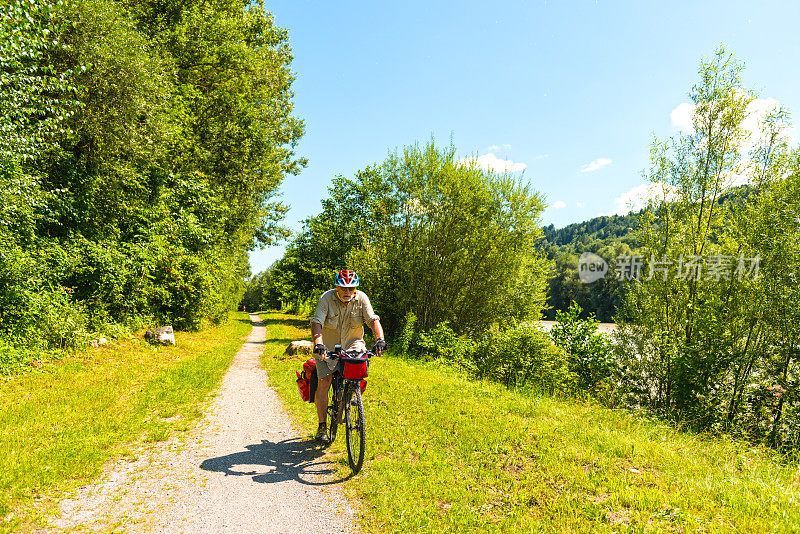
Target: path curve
243	469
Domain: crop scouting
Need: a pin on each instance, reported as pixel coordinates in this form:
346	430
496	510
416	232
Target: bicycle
347	403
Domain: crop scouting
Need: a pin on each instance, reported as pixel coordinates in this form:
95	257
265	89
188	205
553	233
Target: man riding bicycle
339	320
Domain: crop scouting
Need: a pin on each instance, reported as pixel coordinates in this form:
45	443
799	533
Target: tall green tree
453	243
695	320
764	393
352	210
35	97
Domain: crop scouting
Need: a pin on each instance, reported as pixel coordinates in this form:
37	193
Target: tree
145	143
765	394
695	323
449	241
321	248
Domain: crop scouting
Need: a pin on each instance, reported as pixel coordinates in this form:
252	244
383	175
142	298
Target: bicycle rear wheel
355	427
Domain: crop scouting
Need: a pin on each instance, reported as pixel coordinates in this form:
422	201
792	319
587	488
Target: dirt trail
242	469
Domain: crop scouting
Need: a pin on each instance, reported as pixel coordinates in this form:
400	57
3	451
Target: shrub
523	356
589	353
443	344
14	358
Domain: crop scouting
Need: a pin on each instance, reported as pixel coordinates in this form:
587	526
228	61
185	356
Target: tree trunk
733	406
776	422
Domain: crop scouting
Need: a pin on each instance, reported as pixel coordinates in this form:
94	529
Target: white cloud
637	198
492	162
579	204
596	164
495	148
559	204
757	112
681	117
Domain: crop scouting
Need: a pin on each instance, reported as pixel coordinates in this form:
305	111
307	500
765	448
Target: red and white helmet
346	278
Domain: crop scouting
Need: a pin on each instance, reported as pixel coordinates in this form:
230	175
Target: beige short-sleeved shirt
343	324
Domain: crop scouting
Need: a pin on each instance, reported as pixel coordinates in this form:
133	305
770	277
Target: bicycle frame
344	391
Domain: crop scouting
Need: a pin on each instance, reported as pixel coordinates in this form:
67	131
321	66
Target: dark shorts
325	367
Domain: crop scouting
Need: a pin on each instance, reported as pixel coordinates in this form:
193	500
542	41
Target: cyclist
339	320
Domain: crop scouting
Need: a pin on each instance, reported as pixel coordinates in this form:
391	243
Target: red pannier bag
303	386
356	368
307	380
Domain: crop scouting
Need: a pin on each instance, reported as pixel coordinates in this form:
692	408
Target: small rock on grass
299	347
162	335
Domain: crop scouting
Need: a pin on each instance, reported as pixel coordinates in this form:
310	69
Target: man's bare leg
321	397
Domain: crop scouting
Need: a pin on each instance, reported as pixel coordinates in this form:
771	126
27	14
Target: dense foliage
589	353
141	146
524	356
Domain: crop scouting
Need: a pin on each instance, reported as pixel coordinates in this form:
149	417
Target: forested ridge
616	227
142	146
607	236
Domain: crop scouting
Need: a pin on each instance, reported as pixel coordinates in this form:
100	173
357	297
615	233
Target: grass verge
448	454
61	423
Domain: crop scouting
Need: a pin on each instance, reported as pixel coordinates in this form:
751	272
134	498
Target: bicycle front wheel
355	428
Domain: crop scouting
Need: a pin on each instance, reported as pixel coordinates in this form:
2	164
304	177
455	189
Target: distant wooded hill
609	237
615	227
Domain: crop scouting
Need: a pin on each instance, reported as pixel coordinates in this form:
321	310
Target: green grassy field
448	454
62	422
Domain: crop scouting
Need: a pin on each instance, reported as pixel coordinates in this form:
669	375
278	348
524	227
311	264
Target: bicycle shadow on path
290	459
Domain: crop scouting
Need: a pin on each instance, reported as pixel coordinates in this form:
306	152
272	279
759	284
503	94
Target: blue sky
574	91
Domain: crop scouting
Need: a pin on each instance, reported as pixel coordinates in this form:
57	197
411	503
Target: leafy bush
524	356
14	358
443	344
34	309
589	353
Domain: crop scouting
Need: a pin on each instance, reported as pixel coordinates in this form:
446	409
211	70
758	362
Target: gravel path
242	469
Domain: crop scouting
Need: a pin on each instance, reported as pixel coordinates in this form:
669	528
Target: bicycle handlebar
343	355
337	353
